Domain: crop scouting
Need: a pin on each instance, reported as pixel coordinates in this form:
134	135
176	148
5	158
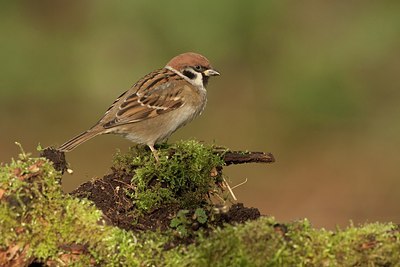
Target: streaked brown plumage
157	105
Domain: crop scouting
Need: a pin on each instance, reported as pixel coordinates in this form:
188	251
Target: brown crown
188	59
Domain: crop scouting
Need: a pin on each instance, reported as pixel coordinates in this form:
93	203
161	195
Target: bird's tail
77	140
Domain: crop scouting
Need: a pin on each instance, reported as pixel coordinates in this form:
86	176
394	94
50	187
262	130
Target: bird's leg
155	153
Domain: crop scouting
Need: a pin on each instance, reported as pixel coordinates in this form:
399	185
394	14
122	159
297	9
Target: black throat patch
205	79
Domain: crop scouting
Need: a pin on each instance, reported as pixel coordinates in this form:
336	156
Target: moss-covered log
39	223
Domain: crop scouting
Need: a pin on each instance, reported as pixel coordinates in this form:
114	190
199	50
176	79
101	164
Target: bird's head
195	67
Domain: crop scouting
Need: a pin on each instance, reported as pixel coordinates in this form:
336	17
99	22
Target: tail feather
77	140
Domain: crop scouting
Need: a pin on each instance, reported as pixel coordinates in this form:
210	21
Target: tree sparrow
157	105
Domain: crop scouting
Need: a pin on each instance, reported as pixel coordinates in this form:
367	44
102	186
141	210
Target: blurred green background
315	82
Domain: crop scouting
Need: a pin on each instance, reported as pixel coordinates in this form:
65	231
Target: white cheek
198	80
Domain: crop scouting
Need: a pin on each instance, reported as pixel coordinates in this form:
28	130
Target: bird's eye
198	68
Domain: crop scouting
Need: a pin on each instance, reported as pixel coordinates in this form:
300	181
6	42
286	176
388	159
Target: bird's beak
211	72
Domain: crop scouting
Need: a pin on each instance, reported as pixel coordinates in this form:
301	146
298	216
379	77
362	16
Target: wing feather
152	98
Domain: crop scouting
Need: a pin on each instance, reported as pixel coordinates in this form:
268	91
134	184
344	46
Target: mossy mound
38	223
184	175
142	194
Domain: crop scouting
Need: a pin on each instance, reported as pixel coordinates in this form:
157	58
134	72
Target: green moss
183	174
37	217
260	243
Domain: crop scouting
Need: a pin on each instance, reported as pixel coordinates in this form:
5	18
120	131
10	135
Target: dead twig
241	157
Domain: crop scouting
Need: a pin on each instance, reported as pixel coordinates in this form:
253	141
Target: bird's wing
147	100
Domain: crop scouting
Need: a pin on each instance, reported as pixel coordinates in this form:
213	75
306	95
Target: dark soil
57	157
110	195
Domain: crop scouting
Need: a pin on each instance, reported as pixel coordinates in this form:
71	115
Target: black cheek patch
189	74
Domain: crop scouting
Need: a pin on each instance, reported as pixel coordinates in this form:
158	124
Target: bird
157	105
